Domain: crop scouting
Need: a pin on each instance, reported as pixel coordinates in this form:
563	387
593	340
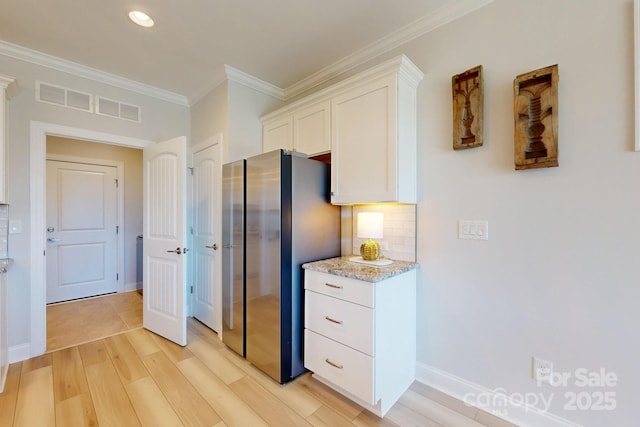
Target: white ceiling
278	41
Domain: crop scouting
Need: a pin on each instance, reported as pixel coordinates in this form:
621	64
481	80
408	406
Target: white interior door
207	175
164	237
81	230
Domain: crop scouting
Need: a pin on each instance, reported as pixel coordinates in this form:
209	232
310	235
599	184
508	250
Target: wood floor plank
174	352
327	417
269	407
152	407
76	411
9	396
125	359
36	363
142	341
219	364
330	397
293	395
112	404
192	409
197	328
405	416
233	410
93	353
368	419
435	411
68	374
36	391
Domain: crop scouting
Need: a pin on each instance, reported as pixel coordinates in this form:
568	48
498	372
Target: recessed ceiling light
141	18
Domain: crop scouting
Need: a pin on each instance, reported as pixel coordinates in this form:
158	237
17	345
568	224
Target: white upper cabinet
368	123
306	130
5	83
277	133
312	129
373	158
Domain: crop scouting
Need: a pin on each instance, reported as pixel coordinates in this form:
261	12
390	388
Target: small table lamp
370	225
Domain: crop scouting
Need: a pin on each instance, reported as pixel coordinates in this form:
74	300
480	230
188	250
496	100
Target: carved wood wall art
536	118
468	99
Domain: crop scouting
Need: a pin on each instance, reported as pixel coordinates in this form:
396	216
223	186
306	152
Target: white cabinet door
364	154
312	129
164	215
278	134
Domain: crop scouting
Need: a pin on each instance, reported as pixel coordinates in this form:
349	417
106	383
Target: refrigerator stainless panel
233	232
263	258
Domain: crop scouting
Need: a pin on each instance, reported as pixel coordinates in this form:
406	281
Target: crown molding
441	16
235	75
49	61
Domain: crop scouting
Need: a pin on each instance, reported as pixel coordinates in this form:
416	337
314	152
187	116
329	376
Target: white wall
161	120
559	275
234	110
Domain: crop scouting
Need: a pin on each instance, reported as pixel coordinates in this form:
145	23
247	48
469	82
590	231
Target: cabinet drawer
343	366
342	321
345	288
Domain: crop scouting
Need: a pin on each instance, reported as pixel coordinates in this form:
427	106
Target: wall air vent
120	110
64	97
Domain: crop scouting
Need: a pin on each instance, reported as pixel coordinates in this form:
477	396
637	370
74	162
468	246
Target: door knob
214	247
50	229
178	251
53	239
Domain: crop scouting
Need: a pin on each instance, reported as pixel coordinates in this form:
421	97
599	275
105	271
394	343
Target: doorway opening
93	217
38	143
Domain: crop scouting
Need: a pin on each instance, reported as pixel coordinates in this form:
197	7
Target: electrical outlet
542	371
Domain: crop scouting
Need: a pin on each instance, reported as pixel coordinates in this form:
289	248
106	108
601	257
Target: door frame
191	151
121	286
38	144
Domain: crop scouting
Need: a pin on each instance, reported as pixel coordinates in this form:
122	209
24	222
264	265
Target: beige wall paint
132	159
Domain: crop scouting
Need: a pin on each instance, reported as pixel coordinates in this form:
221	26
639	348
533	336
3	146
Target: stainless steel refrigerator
276	216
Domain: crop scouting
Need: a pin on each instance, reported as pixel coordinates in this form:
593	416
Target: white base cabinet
360	337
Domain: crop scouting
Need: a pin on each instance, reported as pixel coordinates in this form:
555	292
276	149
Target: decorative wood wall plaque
536	118
467	108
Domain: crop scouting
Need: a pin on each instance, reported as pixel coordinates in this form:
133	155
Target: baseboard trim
131	286
19	352
492	401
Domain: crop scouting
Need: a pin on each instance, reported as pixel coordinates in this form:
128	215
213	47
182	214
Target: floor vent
64	97
109	107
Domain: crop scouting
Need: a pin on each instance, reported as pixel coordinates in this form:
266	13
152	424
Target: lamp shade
370	225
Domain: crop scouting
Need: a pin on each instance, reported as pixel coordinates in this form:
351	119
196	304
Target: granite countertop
343	267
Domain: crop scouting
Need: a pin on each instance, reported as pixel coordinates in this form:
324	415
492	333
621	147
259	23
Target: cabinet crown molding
401	65
9	84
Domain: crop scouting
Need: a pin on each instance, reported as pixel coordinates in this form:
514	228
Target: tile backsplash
399	231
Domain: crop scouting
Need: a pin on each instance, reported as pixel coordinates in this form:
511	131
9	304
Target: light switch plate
473	229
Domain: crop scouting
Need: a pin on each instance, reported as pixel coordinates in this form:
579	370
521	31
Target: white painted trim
55	63
235	75
636	41
38	142
467	391
130	287
120	204
444	15
19	352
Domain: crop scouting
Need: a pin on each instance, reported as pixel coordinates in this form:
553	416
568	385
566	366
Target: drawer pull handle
333	286
335	365
339	322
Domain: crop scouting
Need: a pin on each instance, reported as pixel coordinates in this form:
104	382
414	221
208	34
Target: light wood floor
138	378
76	322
